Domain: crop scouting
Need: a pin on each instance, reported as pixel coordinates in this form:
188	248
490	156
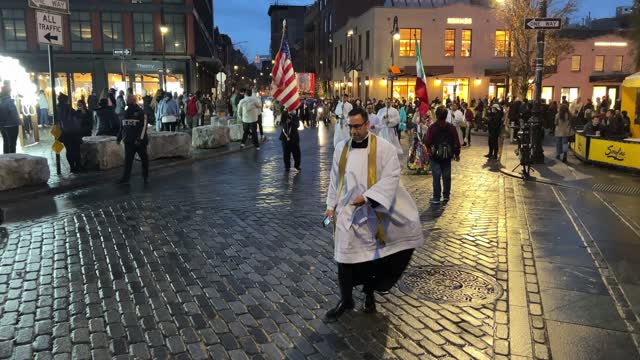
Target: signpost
123	53
543	23
54	6
49	19
49	28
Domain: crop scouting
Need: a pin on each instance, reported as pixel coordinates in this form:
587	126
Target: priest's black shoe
336	312
369	304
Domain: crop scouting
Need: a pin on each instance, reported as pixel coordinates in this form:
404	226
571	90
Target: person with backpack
443	145
71	137
194	111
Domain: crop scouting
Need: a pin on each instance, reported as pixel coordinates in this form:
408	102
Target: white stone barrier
18	170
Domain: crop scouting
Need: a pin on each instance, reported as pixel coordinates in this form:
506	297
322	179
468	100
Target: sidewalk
68	181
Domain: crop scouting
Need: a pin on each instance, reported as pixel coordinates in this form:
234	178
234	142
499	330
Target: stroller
418	159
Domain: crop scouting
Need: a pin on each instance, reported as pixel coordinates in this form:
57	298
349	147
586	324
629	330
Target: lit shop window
408	39
450	42
465	49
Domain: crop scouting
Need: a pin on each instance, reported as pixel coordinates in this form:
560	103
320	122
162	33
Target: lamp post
395	35
366	88
163	31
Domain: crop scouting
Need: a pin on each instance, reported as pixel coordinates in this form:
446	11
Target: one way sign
542	23
49	28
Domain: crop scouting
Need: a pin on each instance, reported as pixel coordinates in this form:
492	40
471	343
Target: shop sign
149	67
49	28
614	152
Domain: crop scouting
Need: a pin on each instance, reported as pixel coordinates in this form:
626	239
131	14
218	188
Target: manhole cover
451	285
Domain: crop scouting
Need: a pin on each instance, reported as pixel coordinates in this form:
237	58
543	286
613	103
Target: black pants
289	148
9	139
260	125
169	126
250	128
130	151
72	145
397	127
493	145
381	274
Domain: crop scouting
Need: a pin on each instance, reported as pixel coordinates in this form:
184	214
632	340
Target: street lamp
366	87
163	31
395	35
235	67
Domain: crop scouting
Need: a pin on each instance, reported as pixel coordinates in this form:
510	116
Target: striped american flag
284	84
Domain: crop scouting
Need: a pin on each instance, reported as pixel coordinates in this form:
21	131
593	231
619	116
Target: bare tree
522	48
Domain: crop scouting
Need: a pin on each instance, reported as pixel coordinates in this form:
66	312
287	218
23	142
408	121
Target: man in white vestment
389	118
341	132
376	221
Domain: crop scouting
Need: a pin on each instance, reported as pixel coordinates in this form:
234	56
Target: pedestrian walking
194	110
248	110
9	119
43	109
170	112
120	105
290	140
390	118
456	118
71	137
494	125
341	132
376	222
563	130
443	145
134	137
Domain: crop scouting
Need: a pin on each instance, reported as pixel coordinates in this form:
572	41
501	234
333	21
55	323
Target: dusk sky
247	20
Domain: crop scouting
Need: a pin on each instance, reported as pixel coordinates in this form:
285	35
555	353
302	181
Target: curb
109	177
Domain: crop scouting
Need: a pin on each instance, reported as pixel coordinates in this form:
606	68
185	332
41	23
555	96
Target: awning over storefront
435	70
632	81
611	77
496	72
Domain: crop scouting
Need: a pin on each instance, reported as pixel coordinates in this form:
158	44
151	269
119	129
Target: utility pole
538	133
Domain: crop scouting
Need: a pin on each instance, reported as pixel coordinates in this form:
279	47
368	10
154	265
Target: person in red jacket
443	145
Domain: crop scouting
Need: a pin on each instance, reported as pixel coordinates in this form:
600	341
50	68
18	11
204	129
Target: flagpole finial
284	23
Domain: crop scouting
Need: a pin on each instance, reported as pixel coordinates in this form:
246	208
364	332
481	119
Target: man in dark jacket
108	122
9	119
134	135
443	145
290	140
71	126
494	124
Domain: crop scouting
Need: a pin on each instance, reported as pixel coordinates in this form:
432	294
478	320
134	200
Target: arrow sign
49	27
542	23
51	38
122	52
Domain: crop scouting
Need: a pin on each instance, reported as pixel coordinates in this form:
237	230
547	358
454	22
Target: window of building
143	32
571	93
450	42
174	40
13	28
576	62
408	38
360	46
111	31
599	63
503	42
547	93
617	63
465	46
367	49
80	24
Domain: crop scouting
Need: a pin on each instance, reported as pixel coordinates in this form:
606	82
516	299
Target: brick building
96	27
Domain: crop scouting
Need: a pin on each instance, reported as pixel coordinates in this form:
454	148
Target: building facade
465	51
95	28
294	15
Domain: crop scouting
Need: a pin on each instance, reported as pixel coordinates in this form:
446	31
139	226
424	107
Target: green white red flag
421	83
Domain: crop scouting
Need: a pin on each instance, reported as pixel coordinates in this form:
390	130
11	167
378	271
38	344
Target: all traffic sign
56	6
49	28
542	23
122	52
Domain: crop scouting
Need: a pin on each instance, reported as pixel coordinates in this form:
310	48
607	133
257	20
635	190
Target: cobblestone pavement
226	258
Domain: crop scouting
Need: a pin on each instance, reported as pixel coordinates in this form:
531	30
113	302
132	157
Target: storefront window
62	83
453	88
449	42
404	88
148	82
570	93
175	83
42	83
502	43
465	49
82	84
117	82
547	93
13	26
408	41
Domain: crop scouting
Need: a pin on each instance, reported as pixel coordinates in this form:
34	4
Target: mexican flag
421	83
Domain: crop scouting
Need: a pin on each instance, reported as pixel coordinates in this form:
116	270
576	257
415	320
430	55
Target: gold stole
372	177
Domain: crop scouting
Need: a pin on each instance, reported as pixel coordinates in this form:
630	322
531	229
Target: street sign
55	6
122	52
542	23
49	28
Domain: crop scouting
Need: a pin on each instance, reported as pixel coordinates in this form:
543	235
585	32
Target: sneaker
445	200
298	168
241	146
488	156
258	148
435	201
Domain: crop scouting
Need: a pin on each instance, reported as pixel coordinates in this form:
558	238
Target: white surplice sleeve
384	191
332	192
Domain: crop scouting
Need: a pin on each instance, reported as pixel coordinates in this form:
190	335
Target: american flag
284	85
